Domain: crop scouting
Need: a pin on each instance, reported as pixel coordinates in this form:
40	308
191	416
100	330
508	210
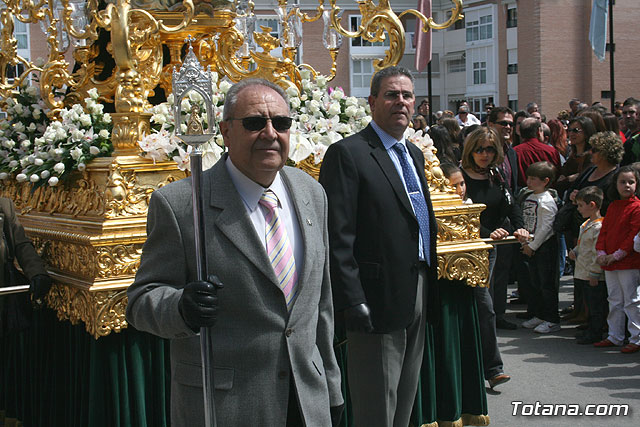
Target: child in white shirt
538	212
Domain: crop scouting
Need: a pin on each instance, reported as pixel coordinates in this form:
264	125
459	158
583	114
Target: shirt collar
250	191
387	140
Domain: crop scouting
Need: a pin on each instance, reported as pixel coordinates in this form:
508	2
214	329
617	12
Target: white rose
106	118
292	92
37	114
3	175
31	127
21	177
305	74
9	143
34	178
19	127
351	111
93	93
24	162
224	86
85	120
337	94
295	103
81	167
45	174
317	95
76	152
351	100
94	150
53	181
31	91
321	81
13	164
77	135
38	161
59	168
18	108
334	109
39	141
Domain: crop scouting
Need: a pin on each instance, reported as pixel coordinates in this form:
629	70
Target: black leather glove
198	304
358	318
39	286
336	415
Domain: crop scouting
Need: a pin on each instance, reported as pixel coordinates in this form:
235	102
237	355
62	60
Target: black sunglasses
505	123
574	130
256	123
490	150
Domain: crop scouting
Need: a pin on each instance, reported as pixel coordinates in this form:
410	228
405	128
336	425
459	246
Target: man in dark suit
267	241
382	233
501	119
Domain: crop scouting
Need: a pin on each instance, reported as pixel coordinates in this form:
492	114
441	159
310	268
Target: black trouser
294	419
597	305
491	359
500	278
543	269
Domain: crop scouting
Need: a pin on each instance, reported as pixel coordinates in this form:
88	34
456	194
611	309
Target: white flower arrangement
322	116
162	144
40	151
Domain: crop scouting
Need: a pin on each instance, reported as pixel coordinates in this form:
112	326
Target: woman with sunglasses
580	130
481	154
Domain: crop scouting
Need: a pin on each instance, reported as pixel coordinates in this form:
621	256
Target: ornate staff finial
189	40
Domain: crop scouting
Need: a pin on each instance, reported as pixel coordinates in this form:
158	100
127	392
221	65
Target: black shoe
566	310
524	315
505	324
517	301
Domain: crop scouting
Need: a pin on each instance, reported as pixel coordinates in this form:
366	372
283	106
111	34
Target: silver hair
231	99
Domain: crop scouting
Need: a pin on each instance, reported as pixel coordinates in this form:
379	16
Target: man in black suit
501	119
382	235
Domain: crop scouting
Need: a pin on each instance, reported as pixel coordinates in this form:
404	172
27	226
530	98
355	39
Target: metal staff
14	290
193	77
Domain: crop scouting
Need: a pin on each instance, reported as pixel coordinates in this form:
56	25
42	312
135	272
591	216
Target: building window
362	73
359	41
513	104
477	105
457	65
512	61
512	17
480	30
458	25
479	73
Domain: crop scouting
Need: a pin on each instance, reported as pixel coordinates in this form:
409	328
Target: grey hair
231	99
376	82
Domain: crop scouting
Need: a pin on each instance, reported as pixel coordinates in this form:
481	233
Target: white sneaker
546	327
532	323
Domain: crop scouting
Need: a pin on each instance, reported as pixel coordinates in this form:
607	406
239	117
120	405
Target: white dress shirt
250	193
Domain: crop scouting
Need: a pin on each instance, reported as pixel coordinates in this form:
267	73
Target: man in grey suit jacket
274	363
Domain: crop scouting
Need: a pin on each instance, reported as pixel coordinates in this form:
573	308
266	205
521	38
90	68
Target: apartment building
509	52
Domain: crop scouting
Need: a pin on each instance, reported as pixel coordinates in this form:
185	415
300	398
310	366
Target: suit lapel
388	168
233	220
307	218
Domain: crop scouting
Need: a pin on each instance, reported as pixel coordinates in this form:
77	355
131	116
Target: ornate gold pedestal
91	235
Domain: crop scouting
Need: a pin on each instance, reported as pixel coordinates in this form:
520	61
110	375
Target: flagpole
612	48
429	93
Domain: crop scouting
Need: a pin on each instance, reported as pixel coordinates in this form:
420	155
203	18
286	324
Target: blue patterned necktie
417	199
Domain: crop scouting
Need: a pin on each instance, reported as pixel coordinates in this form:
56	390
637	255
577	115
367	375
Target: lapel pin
309	222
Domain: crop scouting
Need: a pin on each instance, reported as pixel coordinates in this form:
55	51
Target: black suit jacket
373	232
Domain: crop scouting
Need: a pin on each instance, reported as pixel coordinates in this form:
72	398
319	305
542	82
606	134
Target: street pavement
553	369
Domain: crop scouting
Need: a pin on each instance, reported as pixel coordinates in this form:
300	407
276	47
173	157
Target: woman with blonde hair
481	154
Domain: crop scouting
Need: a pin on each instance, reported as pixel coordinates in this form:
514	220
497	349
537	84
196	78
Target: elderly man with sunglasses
267	242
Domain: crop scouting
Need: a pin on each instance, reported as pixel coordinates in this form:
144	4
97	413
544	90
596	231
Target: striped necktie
279	248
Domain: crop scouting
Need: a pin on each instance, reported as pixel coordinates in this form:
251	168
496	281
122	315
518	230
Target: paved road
554	369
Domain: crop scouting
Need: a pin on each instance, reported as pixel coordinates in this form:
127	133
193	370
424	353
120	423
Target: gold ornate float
91	233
